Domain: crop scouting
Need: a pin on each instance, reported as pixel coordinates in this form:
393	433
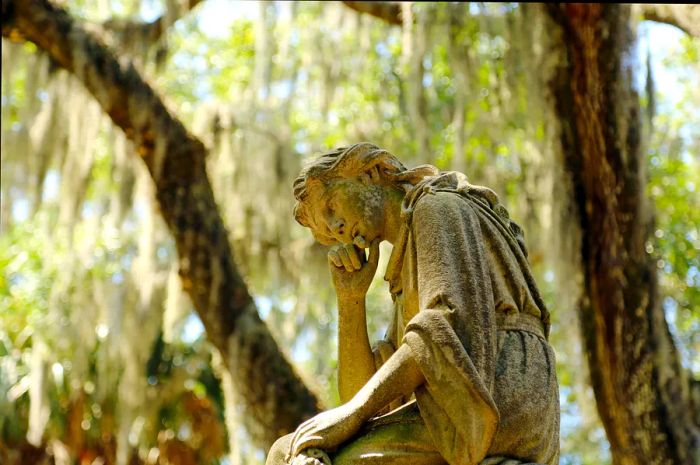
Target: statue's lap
397	438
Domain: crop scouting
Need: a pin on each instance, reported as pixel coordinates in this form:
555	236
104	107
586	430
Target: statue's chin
311	456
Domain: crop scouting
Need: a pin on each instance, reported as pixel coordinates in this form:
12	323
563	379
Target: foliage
674	172
89	294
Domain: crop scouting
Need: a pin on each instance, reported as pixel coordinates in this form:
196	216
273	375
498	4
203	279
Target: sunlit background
102	357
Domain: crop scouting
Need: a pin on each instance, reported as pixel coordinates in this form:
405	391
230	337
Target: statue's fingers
334	258
306	442
360	242
302	430
374	252
345	258
308	428
307	422
362	254
289	455
354	257
297	434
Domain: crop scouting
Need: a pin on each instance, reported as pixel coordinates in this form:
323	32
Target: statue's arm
352	275
355	358
399	377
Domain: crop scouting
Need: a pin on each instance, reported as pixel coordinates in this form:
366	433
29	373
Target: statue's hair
351	162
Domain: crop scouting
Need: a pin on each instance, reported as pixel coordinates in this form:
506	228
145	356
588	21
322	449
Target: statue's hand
311	456
328	429
352	273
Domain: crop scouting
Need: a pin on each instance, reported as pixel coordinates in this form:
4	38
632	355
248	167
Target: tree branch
274	397
389	12
150	31
684	17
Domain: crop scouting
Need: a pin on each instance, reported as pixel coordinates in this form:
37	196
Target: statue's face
343	209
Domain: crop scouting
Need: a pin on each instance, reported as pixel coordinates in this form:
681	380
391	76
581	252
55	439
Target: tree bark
684	17
273	397
389	12
642	392
151	31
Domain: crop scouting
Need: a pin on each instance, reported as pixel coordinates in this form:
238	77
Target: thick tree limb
150	32
389	12
684	17
274	398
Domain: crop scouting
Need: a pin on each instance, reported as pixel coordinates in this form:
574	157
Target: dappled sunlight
104	359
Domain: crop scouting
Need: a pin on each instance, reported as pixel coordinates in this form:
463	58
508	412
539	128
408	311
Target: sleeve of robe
453	336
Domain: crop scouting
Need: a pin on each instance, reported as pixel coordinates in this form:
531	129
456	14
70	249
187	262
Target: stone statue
465	375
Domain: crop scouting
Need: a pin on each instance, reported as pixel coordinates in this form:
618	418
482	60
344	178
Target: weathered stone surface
465	359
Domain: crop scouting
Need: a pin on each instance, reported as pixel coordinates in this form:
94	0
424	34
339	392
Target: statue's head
344	193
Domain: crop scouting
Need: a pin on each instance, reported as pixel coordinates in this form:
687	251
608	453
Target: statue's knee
278	451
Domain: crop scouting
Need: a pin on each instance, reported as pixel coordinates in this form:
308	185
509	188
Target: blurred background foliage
102	358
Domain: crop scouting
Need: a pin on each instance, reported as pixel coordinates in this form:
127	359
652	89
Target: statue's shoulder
441	207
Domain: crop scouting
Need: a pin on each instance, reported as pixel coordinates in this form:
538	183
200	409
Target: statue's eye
337	203
331	207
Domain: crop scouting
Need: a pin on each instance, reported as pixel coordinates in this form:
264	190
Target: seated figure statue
465	375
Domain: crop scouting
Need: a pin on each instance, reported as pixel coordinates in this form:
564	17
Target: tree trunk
642	392
274	399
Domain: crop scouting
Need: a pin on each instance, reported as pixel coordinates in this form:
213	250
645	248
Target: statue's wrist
351	301
359	406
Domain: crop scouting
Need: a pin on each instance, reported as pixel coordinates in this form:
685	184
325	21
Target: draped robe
467	306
